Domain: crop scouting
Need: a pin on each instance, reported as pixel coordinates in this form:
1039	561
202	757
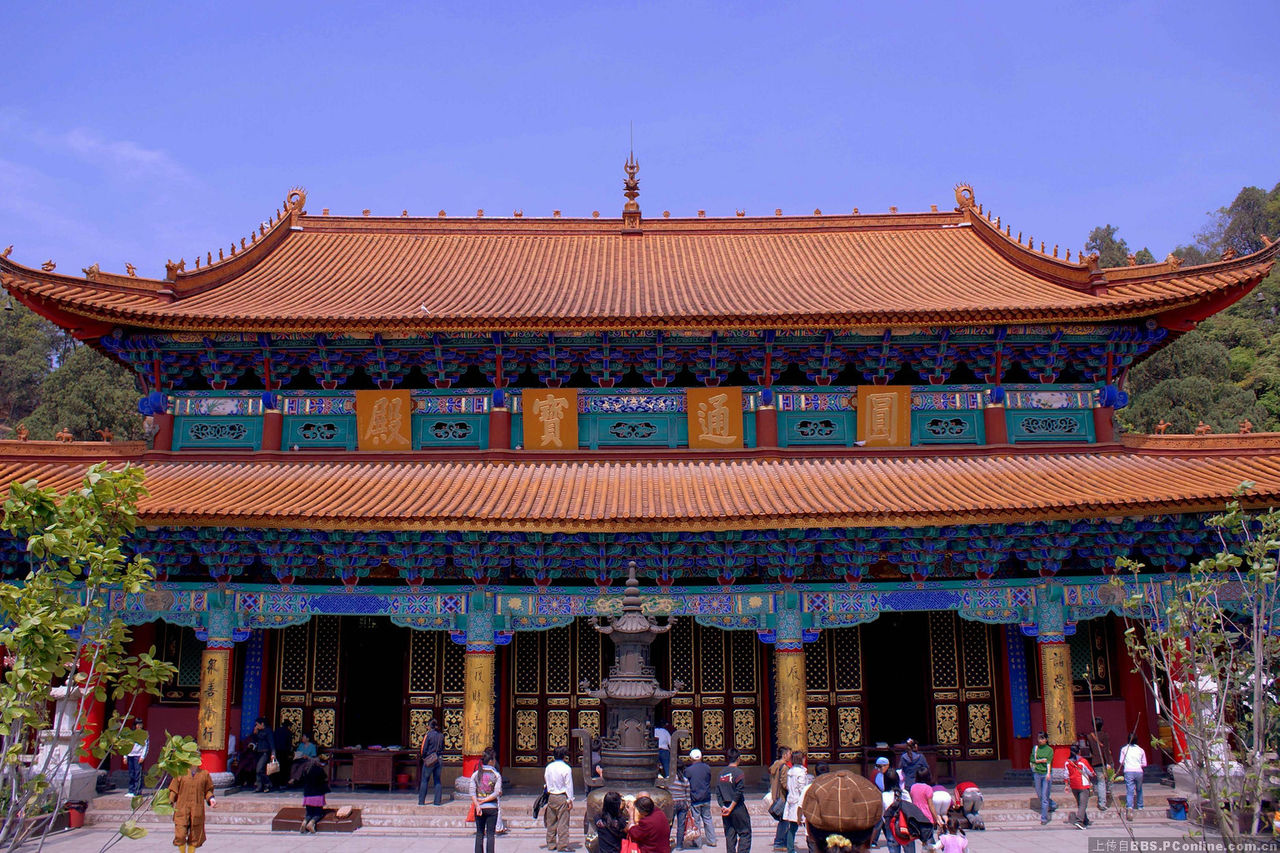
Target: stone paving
1052	839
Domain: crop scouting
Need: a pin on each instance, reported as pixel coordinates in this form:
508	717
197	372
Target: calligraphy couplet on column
715	417
884	415
384	420
211	727
551	419
1059	695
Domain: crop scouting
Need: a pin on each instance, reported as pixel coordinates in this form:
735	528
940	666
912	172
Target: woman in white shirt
1133	760
798	781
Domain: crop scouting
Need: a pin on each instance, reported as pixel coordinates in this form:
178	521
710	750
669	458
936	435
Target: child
953	840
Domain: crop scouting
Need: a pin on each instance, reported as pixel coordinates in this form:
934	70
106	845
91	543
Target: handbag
541	802
273	767
777	808
692	830
431	760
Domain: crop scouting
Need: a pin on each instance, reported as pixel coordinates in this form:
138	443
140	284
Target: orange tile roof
373	274
704	494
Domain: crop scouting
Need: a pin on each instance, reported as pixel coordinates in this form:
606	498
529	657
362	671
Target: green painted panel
517	431
638	429
1050	425
949	426
234	433
306	432
832	428
435	431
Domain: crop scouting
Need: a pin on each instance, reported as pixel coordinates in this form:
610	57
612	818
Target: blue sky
138	132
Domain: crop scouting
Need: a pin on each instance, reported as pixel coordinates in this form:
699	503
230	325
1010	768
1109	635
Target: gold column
1059	694
477	709
792	712
215	694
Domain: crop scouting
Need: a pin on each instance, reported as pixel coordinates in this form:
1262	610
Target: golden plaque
551	419
715	417
884	415
215	672
384	420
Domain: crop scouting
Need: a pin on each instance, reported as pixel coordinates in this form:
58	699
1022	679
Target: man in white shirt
1133	761
559	780
663	735
134	760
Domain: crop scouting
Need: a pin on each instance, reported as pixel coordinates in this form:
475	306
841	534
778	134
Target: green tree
1206	646
1253	214
27	344
59	631
1187	382
1112	251
87	392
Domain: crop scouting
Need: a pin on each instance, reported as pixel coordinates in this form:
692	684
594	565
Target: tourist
941	803
315	784
663	735
1041	773
882	765
1080	776
797	782
486	791
904	821
188	796
912	764
778	790
596	769
1133	763
649	831
731	792
969	799
559	781
245	764
137	753
699	776
678	788
430	759
283	738
890	790
264	744
611	824
953	840
921	792
306	748
1101	755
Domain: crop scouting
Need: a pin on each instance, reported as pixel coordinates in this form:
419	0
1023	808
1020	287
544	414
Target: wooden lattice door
720	701
546	667
308	669
437	686
963	689
834	695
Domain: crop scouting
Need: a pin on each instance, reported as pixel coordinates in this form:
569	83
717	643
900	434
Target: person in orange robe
188	796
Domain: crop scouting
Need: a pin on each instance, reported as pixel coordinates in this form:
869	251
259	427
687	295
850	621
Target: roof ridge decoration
631	189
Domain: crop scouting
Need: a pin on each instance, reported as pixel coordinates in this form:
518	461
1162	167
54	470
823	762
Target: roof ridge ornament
964	197
631	189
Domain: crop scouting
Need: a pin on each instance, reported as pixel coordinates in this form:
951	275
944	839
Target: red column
272	429
164	431
93	712
500	428
1104	430
1137	717
766	426
994	424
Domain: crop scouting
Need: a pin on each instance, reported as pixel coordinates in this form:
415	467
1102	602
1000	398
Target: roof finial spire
631	189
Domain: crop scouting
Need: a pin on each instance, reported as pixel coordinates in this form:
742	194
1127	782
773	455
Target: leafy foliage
1207	646
1113	251
48	380
58	630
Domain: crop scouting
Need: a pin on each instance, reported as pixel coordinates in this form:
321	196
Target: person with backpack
904	822
731	791
486	790
1080	777
430	754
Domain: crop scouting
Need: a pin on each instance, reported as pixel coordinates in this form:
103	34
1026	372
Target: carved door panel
720	701
437	683
834	696
308	672
546	667
963	687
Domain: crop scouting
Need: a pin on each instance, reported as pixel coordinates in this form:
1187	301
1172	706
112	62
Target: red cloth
962	787
1077	778
652	834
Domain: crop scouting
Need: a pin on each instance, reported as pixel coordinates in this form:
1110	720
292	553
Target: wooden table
371	766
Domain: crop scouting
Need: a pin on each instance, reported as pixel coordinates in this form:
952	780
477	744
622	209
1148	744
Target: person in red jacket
1080	776
650	832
